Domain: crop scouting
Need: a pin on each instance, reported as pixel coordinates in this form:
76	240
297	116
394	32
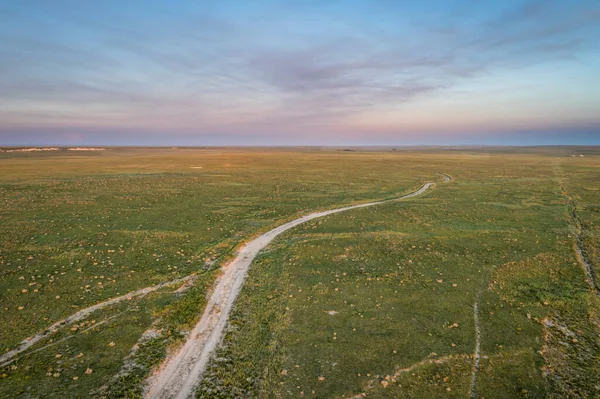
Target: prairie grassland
80	229
378	301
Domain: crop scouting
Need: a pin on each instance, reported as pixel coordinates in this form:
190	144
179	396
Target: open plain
482	285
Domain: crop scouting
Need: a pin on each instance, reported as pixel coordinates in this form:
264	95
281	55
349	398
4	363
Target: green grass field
375	302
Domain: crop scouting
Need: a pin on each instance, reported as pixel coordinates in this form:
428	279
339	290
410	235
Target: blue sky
268	72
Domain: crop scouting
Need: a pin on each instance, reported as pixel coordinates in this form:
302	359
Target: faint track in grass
399	372
93	326
180	374
477	352
579	253
82	314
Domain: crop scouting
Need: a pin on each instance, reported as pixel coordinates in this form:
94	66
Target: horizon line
61	146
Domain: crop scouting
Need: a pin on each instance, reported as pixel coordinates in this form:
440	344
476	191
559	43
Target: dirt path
53	343
477	355
82	314
180	374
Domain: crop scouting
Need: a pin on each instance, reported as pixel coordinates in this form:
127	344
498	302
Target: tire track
477	352
82	314
61	340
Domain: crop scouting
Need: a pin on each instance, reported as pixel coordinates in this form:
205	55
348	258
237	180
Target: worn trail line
93	326
180	374
589	269
579	254
82	314
477	355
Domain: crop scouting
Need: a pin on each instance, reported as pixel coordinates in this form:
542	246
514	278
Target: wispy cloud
259	67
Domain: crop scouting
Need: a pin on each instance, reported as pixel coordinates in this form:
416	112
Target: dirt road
180	374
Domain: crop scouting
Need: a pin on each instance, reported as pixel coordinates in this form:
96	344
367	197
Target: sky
299	72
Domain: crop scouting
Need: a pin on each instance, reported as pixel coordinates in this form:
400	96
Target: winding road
181	372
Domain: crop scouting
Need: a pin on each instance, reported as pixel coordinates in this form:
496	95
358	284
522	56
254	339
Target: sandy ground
32	149
180	374
82	314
